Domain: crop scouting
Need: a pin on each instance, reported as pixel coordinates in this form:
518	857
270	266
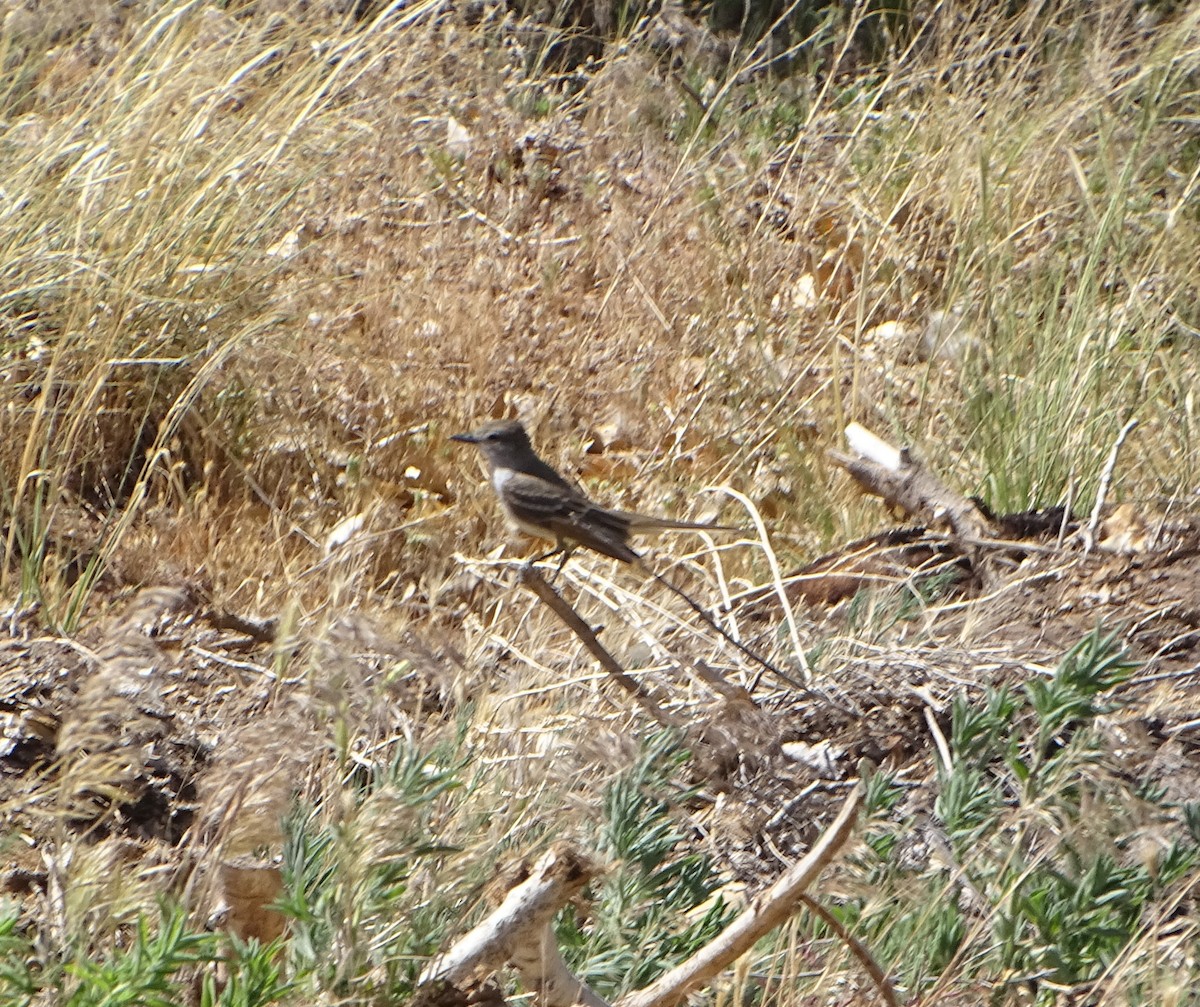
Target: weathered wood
768	910
896	476
519	933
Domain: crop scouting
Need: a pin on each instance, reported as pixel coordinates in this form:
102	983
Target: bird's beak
467	438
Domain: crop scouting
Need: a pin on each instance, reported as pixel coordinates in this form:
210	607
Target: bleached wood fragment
902	481
519	933
872	447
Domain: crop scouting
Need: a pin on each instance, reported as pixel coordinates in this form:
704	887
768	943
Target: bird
541	503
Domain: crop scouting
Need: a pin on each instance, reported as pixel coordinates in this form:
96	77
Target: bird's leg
566	551
561	548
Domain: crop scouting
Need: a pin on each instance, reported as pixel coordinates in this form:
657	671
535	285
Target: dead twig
262	630
712	624
1089	535
857	948
533	580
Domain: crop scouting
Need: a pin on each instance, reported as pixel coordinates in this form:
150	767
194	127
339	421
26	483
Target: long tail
647	523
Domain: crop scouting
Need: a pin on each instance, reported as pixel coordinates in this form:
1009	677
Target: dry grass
255	266
250	271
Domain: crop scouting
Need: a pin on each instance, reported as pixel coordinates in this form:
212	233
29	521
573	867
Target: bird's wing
569	516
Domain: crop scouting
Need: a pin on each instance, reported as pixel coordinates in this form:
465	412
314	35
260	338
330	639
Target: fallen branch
260	630
857	948
892	473
519	933
537	584
768	911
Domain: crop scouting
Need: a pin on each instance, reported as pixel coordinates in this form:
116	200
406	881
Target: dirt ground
127	732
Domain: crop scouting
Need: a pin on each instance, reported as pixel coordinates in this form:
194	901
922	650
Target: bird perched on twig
542	503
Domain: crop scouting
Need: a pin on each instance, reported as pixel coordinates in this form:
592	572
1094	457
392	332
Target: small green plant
1069	700
155	966
653	908
254	977
147	971
18	983
359	883
1033	830
1068	921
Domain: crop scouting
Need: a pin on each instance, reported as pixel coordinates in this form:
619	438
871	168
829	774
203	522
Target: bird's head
499	440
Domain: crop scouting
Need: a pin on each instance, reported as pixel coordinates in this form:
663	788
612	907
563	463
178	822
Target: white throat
500	476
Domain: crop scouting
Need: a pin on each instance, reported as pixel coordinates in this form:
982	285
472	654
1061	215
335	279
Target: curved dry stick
857	948
1089	535
768	911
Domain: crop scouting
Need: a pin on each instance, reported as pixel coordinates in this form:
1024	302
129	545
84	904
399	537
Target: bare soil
142	730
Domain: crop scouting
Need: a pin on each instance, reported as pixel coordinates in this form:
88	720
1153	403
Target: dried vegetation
267	669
